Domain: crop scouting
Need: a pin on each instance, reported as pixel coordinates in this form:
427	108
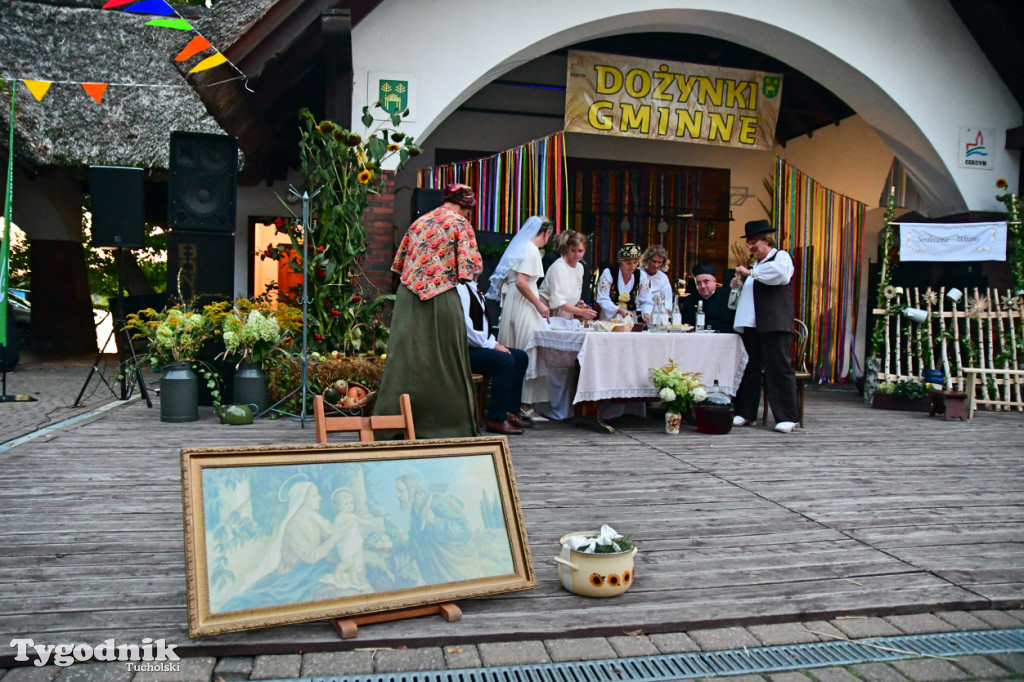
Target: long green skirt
428	358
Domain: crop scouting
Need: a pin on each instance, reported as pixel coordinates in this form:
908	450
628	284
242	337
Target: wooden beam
337	56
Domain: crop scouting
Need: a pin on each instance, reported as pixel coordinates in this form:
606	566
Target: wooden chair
364	425
482	385
799	367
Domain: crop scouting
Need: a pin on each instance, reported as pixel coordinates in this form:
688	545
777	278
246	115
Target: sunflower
889	292
1001	183
626	577
596	579
930	297
613	580
394	147
365	176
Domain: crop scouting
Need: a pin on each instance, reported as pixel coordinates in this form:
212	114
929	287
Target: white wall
908	67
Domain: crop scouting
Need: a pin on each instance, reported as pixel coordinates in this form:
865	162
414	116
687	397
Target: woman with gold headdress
628	292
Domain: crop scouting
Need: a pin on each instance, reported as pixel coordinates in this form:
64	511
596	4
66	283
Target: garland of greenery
1014	236
878	335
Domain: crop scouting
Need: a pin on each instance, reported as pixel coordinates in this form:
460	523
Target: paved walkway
453	657
56	384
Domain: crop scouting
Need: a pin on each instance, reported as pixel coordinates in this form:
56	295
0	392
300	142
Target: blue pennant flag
152	7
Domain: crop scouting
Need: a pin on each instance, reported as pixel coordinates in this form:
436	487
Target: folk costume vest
630	305
773	305
477	313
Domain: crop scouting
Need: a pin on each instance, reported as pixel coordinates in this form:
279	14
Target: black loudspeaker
206	263
425	200
203	182
118	206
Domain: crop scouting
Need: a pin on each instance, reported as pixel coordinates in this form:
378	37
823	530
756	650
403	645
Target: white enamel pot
595	575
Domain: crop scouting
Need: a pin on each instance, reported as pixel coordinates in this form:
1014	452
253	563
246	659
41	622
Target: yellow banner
609	94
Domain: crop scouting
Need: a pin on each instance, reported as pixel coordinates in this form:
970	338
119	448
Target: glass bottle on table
677	317
700	316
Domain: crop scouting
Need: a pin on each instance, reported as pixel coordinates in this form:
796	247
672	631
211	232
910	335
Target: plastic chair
364	425
803	375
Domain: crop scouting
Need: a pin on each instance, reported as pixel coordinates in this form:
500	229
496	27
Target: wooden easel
348	628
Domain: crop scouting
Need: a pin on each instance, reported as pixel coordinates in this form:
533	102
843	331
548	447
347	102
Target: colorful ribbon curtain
823	231
511	186
602	199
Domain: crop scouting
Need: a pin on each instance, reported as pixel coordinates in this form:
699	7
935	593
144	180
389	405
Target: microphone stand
302	360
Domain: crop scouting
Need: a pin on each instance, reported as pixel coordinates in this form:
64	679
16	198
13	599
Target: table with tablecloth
618	365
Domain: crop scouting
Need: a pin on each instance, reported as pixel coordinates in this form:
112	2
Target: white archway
909	68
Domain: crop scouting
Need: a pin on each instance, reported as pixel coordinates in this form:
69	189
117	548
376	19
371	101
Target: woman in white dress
514	282
654	262
561	289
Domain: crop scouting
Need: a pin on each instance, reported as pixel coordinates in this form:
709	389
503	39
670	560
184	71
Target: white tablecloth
618	365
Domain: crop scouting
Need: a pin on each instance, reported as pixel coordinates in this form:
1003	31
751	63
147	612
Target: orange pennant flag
209	63
38	88
95	90
197	45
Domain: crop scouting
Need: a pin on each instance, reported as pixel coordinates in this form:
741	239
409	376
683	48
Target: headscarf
460	194
513	255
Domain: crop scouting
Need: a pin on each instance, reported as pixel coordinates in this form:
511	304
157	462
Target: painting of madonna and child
303	537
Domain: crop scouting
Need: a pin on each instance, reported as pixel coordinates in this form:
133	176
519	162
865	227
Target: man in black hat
714	300
765	318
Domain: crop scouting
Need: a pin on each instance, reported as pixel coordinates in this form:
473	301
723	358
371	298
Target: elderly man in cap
764	317
428	356
627	293
715	301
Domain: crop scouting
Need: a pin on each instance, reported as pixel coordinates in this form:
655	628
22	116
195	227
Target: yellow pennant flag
38	88
209	63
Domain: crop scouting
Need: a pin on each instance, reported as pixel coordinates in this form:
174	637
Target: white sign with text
952	242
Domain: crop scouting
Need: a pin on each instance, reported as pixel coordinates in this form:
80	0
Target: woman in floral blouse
428	356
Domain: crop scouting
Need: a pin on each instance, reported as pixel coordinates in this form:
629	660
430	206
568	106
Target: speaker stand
303	388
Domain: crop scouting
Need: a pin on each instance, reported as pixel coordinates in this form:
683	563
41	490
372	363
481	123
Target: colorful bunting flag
116	3
178	24
152	7
38	88
195	46
95	90
209	63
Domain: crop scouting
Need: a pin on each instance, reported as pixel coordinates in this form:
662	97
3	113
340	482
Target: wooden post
899	343
942	335
996	308
982	361
931	338
888	352
1013	346
956	345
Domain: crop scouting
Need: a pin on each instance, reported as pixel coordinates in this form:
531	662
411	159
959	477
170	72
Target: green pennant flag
5	246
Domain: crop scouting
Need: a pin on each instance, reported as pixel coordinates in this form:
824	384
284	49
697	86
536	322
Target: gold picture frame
285	534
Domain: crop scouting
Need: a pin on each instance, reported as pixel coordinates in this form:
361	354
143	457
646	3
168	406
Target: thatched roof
277	44
77	42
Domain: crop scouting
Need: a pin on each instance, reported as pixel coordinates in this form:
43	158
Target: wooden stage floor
864	512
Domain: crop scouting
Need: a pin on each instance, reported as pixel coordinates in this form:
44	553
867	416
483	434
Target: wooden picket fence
982	330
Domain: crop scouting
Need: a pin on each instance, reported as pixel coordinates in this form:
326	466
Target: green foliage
910	389
1014	235
625	543
678	390
884	281
346	168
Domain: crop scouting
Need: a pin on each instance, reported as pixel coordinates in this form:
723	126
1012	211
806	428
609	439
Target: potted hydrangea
251	335
678	391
